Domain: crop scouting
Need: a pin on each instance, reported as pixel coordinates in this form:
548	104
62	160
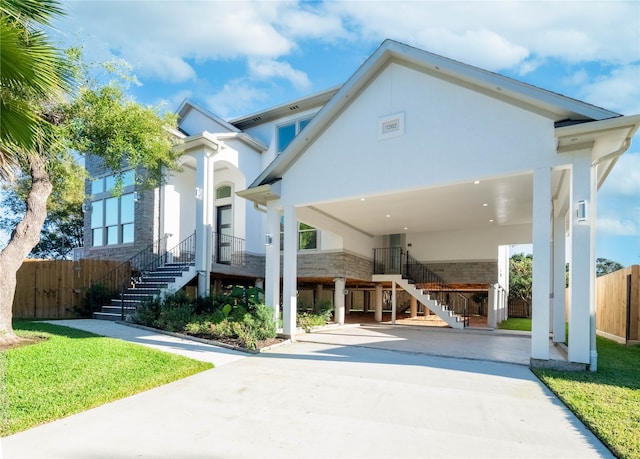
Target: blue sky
237	57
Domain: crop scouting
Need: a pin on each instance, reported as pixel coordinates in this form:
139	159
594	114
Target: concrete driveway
321	400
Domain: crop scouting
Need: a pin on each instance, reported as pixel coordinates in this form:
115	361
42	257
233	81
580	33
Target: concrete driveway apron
321	400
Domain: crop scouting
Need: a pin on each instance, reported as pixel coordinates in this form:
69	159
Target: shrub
174	318
94	298
147	313
307	321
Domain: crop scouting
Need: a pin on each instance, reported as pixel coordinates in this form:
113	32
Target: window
307	236
287	132
112	217
223	192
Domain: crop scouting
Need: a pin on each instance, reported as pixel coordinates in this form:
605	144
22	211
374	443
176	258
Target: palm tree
31	71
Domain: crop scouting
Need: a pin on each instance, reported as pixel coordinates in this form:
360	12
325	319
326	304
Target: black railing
394	260
126	274
227	249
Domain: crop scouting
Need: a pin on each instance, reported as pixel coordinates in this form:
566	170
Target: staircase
396	265
442	310
169	277
149	273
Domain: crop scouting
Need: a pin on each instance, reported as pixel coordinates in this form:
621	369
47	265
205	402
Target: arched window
223	192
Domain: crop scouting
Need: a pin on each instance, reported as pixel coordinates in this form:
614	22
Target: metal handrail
227	249
394	260
126	274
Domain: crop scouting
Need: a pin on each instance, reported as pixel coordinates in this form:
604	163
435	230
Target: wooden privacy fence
618	304
51	289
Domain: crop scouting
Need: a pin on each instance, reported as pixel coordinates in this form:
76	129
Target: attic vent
257	118
294	107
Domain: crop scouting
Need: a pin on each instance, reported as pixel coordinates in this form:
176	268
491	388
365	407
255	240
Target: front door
224	234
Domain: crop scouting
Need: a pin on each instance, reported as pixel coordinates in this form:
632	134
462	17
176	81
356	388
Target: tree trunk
24	237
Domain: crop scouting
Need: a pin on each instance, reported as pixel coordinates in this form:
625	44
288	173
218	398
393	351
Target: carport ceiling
485	204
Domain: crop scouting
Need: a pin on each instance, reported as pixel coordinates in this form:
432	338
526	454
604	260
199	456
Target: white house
419	170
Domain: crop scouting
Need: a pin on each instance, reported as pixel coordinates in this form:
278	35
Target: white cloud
624	178
617	227
574	31
267	69
234	99
619	90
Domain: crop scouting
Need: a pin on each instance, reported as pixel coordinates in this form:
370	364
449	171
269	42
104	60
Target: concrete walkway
321	400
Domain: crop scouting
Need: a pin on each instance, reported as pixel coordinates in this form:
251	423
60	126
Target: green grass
514	323
607	401
71	371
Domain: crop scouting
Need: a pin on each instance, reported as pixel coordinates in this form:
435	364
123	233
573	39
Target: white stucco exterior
414	152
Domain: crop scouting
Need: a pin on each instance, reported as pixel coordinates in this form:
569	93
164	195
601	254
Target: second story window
287	132
112	216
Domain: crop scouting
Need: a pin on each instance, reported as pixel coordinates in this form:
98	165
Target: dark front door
224	235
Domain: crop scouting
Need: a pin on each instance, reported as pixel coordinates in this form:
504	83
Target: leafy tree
45	118
521	277
62	230
606	266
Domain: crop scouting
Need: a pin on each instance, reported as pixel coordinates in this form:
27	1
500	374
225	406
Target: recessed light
362	199
405	228
476	182
485	204
388	216
491	221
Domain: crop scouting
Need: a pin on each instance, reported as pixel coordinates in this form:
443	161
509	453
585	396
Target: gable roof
187	105
552	105
232	132
298	105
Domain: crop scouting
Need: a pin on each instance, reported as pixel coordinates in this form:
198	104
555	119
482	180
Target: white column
492	306
289	278
559	279
394	302
378	311
204	193
338	300
272	260
582	256
541	288
593	353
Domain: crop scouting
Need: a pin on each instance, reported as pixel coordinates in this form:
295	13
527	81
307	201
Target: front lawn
607	401
70	371
515	323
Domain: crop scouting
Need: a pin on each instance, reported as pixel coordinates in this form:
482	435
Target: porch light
86	207
268	240
198	193
136	196
582	211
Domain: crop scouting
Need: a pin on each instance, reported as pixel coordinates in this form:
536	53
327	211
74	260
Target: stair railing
437	287
130	271
394	260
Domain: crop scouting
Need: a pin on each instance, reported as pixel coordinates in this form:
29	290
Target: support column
338	300
394	302
272	261
559	279
289	278
582	259
492	306
204	193
378	311
541	288
413	311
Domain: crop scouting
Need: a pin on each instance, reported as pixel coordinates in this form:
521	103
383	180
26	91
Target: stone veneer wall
334	264
144	219
469	272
